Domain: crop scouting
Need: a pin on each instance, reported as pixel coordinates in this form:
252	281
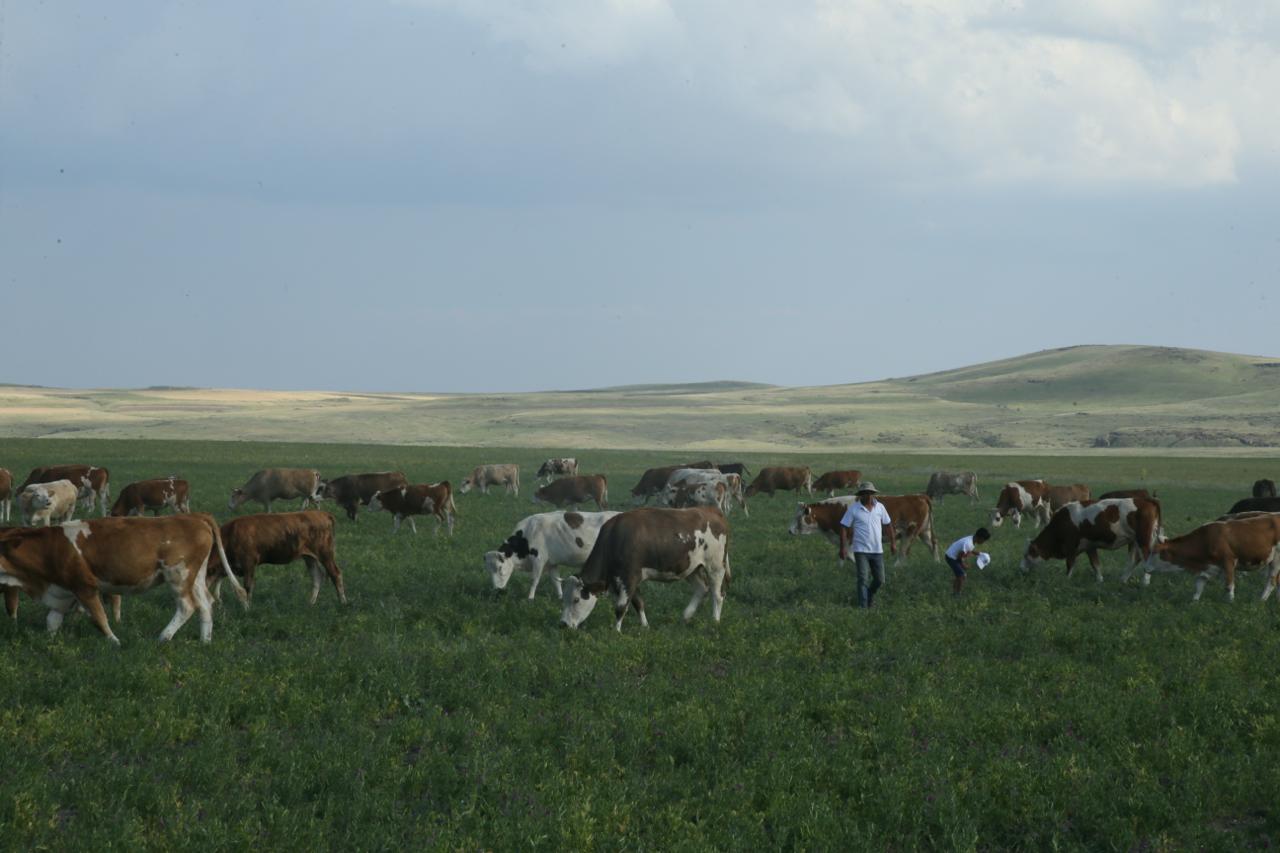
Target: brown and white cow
781	479
154	495
279	484
562	466
545	541
278	539
1245	543
943	483
1264	488
1019	498
352	491
688	487
484	476
434	499
1090	526
573	491
6	494
834	481
76	562
654	480
912	517
43	504
652	544
91	481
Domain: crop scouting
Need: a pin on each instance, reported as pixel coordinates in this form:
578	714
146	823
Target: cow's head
325	490
238	497
1032	557
466	485
375	502
804	523
998	515
669	496
540	496
513	554
578	602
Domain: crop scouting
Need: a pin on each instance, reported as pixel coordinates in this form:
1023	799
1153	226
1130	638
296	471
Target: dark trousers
870	568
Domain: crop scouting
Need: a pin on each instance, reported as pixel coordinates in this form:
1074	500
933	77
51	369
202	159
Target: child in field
960	550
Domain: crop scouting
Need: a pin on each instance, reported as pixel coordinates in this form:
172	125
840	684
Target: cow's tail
226	565
933	536
453	508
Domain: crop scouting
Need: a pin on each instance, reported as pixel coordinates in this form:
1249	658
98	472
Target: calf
76	562
833	481
564	466
279	539
6	494
1264	489
911	517
42	504
484	476
355	490
654	480
652	544
781	479
1085	528
572	491
1222	546
545	541
434	499
91	481
943	483
154	495
279	484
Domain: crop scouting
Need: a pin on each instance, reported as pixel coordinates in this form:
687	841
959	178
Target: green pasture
1034	712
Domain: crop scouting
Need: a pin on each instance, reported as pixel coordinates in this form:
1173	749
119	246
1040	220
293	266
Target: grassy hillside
1067	399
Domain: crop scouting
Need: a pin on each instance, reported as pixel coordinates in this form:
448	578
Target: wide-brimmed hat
866	486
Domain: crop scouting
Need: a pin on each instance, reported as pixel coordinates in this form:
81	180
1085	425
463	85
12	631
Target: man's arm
887	533
844	542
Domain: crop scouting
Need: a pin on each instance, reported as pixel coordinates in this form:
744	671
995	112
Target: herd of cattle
67	563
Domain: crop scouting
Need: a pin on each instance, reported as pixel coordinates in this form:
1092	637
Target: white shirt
960	547
867	526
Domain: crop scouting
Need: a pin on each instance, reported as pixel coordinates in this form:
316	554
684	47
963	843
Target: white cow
543	541
43	504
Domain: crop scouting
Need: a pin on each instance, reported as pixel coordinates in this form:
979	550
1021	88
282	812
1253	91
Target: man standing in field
866	523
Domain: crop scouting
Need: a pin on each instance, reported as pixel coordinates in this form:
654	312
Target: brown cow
278	539
912	517
77	561
781	479
654	480
484	476
92	482
279	484
1087	527
354	490
572	491
1222	546
155	495
6	494
832	481
434	499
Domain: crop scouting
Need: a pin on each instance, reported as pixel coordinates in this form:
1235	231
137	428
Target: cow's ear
533	552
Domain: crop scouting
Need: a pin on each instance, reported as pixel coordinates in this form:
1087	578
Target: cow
912	517
91	481
556	467
1127	493
1035	497
688	487
654	480
572	491
943	483
738	468
434	499
278	539
1089	526
545	541
781	479
833	481
1255	505
354	490
651	544
1222	546
76	562
6	494
279	484
1264	489
42	504
485	476
155	495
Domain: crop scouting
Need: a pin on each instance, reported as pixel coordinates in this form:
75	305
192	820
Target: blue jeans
870	569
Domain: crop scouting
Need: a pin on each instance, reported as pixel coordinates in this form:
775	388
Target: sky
509	195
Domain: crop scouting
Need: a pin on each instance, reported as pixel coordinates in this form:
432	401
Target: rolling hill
1062	400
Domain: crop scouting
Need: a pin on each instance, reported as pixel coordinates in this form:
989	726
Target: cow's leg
535	572
330	566
1229	569
92	603
637	604
395	523
413	525
115	608
267	504
186	603
1096	563
317	577
11	601
449	523
204	604
717	593
1273	575
1071	564
698	581
59	601
1201	580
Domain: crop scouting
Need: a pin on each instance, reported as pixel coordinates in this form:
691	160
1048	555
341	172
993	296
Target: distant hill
1057	400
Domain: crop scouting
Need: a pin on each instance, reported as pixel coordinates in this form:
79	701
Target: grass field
1035	712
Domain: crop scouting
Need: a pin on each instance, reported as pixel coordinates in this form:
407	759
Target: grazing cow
42	504
76	562
1255	505
943	483
485	476
155	495
434	499
278	539
1222	546
651	544
91	482
572	491
545	541
6	494
1087	527
833	481
654	480
738	468
354	490
1264	489
279	484
1127	493
912	517
781	479
1029	497
688	487
558	467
